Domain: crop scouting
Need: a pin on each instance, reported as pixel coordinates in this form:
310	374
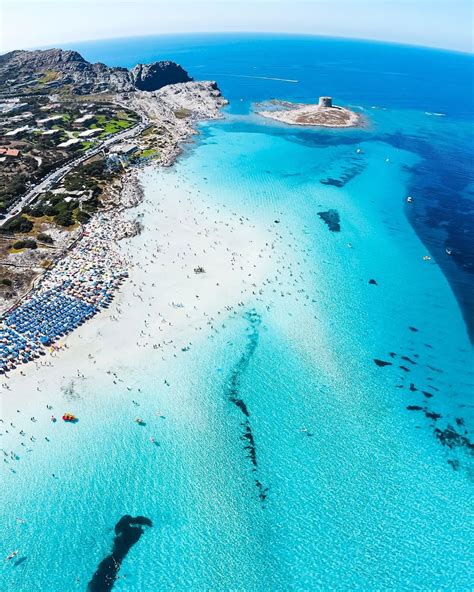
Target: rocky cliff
154	76
41	70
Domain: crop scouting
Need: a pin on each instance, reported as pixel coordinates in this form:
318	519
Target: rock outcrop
175	110
150	77
41	70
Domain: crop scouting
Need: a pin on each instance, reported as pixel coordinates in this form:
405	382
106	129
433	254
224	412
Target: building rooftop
48	119
68	143
84	118
9	151
18	130
91	132
123	149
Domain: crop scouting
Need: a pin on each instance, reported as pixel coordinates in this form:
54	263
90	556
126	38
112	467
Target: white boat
409	199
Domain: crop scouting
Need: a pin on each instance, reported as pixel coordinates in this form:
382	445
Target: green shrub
17	224
82	216
37	211
6	282
45	238
25	244
64	218
50	211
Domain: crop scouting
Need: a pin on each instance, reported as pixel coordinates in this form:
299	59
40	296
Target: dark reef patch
233	394
247	436
432	415
452	439
334	182
350	170
382	363
448	436
332	219
241	405
128	532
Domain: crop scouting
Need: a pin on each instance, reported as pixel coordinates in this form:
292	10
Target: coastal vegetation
148	153
45	238
24	244
19	224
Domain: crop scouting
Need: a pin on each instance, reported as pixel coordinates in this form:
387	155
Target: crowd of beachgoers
81	284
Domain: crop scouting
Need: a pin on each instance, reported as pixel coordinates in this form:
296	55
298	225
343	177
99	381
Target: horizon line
248	33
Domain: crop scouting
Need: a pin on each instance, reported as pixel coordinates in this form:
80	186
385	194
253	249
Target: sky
436	23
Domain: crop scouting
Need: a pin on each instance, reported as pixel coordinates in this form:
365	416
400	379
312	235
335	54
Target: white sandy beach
164	305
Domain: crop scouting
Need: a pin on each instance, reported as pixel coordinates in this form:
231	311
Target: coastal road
55	176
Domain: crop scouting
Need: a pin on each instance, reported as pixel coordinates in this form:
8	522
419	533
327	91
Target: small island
322	114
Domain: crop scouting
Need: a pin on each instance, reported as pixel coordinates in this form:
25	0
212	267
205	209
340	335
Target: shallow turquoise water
359	492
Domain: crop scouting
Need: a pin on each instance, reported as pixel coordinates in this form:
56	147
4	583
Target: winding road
55	176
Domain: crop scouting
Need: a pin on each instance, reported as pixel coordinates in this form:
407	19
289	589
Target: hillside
41	71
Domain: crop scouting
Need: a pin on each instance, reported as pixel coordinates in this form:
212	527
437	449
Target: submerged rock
128	531
332	219
382	363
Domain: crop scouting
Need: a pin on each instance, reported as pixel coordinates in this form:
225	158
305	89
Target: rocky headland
36	71
175	111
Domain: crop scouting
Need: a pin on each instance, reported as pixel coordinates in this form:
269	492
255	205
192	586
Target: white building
69	143
49	119
91	132
84	118
17	131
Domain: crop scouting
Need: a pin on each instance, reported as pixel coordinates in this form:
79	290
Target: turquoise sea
321	437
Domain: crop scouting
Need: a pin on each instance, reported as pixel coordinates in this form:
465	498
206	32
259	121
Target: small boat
140	421
69	417
449	251
12	554
426	258
409	199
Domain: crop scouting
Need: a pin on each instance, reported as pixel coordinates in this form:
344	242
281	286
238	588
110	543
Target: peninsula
322	114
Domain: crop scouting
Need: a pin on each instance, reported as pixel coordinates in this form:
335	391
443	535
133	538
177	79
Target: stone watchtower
325	101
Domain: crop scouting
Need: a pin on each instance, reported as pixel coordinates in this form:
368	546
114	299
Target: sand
163	307
314	115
